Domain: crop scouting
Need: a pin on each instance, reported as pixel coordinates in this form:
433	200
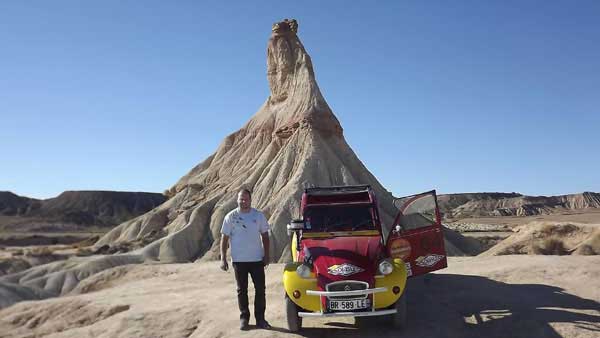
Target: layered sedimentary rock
73	210
293	141
512	204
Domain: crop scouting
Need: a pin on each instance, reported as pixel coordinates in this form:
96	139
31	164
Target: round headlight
303	271
385	268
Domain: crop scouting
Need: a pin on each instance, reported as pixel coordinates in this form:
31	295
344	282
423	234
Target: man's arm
265	242
224	246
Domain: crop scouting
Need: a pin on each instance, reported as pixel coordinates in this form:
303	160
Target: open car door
416	236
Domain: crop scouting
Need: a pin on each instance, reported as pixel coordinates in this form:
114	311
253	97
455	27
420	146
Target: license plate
349	305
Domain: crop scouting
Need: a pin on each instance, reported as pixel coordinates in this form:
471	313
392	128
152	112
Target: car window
339	218
418	213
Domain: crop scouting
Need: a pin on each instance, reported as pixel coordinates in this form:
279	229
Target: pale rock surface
465	205
543	237
498	296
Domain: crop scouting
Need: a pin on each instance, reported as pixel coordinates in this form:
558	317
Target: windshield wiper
335	225
365	222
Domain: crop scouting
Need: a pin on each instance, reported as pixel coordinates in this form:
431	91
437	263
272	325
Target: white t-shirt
244	229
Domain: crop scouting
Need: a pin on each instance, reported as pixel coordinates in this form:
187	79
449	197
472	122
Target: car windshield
339	218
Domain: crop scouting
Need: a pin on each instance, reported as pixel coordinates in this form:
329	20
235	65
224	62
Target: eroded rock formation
293	141
73	210
456	206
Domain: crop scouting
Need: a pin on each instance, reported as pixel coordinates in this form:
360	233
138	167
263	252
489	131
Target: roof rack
342	189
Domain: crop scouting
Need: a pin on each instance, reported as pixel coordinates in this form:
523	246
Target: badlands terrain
522	266
34	231
498	296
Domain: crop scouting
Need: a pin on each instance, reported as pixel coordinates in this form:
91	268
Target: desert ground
499	296
494	294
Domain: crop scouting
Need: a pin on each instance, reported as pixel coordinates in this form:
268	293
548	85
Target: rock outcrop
74	210
455	206
550	238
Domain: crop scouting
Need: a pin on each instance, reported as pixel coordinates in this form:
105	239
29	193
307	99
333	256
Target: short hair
246	191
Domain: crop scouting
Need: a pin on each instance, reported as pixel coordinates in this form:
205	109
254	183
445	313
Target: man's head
244	200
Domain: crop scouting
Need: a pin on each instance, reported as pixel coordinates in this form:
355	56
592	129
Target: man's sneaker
244	325
263	324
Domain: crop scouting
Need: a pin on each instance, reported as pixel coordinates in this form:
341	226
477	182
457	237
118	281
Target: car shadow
449	305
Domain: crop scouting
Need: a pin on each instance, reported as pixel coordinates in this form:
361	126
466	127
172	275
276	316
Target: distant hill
455	206
15	205
79	208
109	208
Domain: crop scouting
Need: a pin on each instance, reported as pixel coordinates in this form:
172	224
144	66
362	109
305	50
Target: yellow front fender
294	247
292	282
396	278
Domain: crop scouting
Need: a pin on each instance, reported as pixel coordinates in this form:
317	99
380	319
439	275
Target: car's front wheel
362	321
293	320
399	318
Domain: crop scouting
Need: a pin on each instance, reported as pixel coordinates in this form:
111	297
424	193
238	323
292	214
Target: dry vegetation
550	246
550	238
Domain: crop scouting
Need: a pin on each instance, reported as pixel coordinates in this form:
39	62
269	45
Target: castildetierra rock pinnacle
293	141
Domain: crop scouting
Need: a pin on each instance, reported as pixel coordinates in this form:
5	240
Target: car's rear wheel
294	321
399	318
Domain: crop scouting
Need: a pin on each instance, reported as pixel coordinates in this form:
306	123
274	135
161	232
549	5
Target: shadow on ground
446	305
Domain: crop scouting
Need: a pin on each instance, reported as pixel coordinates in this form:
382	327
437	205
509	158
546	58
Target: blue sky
461	97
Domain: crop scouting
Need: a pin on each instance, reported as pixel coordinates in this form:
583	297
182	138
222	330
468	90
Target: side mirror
295	225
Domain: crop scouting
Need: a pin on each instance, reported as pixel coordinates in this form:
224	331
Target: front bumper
345	293
361	313
347	314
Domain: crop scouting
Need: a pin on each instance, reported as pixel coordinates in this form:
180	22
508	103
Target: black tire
399	318
362	321
294	322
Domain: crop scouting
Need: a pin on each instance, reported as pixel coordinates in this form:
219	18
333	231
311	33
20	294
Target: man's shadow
448	305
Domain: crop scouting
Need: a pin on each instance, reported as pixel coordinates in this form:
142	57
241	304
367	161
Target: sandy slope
550	238
506	296
588	216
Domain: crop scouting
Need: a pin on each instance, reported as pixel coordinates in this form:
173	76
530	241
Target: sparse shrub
567	229
586	250
488	242
84	252
513	250
546	229
170	192
39	251
550	246
558	229
87	242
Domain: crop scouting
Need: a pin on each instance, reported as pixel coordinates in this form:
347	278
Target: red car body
343	243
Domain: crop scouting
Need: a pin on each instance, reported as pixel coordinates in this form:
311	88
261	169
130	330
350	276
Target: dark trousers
257	272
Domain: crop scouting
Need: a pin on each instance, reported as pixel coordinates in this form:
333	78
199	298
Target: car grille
347	286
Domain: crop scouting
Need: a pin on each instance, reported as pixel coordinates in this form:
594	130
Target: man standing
248	231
